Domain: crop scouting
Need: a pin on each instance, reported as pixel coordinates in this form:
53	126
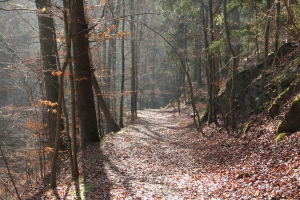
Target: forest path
149	159
162	156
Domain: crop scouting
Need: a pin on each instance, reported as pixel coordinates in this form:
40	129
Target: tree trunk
198	47
83	80
49	64
235	26
256	36
213	75
293	33
217	54
68	33
109	118
198	61
234	67
114	61
208	64
133	67
267	32
277	21
123	71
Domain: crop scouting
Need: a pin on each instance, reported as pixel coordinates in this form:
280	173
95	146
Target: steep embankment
267	88
162	156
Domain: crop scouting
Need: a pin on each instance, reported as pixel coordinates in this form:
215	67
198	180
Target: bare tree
83	80
234	67
49	62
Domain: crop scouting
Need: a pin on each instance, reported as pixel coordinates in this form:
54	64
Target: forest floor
162	156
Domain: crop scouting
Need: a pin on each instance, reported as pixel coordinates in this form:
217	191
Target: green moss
84	188
278	127
172	103
279	137
296	99
204	116
275	106
248	126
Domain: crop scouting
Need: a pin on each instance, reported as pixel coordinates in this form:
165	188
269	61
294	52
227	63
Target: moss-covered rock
245	93
291	119
275	106
259	87
274	109
247	126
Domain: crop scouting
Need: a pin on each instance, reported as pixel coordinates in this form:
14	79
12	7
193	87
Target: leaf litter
162	156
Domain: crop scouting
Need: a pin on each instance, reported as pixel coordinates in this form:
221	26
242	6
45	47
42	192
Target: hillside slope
267	88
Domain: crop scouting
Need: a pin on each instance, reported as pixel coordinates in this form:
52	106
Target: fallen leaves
160	157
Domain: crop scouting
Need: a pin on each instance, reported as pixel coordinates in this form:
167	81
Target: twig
9	173
290	16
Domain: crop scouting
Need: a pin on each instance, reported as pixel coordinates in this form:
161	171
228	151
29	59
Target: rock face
259	88
249	94
291	120
275	106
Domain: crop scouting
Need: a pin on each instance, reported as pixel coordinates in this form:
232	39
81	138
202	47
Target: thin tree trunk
137	60
68	136
68	33
213	83
256	36
123	70
58	127
109	118
292	34
267	32
114	60
217	54
133	67
277	21
234	67
208	64
9	174
60	105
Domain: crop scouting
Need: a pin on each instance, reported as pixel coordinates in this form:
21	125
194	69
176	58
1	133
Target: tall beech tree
133	64
123	69
83	80
234	67
49	62
267	31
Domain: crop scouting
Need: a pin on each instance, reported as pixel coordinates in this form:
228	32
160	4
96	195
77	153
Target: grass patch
279	137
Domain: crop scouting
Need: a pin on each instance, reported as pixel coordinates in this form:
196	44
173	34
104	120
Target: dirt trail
162	156
149	160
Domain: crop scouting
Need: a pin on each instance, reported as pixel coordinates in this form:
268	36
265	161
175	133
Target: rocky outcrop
275	105
291	120
260	88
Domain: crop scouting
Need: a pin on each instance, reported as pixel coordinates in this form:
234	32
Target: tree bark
208	63
123	71
68	33
109	118
49	64
267	32
277	21
234	67
212	68
83	79
133	67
